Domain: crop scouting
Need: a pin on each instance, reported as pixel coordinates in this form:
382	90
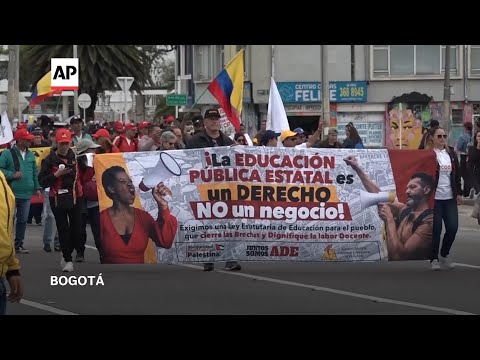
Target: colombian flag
227	88
42	90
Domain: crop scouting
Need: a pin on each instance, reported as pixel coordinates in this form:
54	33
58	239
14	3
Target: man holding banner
212	137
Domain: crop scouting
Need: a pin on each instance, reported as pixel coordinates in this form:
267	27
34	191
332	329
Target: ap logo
64	73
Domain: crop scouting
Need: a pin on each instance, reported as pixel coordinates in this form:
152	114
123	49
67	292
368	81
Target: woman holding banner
125	230
447	199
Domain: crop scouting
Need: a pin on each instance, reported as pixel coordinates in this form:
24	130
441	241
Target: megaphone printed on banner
368	199
165	169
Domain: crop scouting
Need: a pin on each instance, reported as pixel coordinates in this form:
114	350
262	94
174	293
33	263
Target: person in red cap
118	126
116	131
168	121
102	136
19	166
143	129
152	141
126	142
22	125
59	173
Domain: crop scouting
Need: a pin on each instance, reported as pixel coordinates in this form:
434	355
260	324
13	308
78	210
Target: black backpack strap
405	212
418	221
120	140
16	162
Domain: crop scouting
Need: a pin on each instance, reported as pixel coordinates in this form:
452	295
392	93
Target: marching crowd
62	194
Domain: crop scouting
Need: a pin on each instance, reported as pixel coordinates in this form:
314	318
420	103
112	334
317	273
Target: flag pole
204	91
56	107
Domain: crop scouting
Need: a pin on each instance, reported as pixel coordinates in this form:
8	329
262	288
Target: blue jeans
3	297
48	219
446	211
23	208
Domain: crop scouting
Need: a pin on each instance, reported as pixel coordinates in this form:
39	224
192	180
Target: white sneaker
445	263
472	193
435	265
68	267
63	262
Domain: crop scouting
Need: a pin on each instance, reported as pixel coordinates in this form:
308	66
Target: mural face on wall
405	126
408	117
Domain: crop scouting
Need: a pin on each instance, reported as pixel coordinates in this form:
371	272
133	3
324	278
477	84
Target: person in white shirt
447	198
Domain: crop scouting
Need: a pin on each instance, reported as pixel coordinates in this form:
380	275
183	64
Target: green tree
157	56
100	65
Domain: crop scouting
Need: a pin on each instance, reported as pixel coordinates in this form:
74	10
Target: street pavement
375	288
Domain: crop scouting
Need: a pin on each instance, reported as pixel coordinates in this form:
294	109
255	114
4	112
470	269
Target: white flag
6	134
276	116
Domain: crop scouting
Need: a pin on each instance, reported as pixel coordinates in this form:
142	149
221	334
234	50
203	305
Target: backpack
417	221
16	163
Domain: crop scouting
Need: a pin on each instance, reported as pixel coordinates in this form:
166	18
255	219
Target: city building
389	92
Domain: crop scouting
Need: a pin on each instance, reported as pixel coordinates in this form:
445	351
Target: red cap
63	135
130	126
101	133
169	119
118	126
144	124
23	134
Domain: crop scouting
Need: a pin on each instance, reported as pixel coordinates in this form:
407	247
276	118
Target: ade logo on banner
64	73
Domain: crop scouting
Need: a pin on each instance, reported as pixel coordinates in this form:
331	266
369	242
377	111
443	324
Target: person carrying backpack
20	169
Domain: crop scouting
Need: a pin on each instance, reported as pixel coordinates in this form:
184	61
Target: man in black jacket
212	137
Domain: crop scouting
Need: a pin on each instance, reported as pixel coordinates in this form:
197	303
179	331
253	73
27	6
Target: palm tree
100	65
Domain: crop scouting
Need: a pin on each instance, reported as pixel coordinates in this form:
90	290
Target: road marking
467	265
338	292
46	307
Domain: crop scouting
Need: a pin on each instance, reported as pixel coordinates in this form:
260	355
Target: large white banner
270	204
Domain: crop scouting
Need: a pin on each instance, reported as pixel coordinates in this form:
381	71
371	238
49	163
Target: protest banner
267	204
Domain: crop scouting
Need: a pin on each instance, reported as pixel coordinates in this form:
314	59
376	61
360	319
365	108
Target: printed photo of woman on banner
126	229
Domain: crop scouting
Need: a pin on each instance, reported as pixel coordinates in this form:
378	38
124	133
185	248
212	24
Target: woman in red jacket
125	230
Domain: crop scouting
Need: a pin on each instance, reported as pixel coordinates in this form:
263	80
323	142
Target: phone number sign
348	91
311	92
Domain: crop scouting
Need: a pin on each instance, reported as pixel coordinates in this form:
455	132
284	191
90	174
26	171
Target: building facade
390	92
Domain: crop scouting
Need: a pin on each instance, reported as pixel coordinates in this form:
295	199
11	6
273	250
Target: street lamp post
446	91
325	88
75	92
17	82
